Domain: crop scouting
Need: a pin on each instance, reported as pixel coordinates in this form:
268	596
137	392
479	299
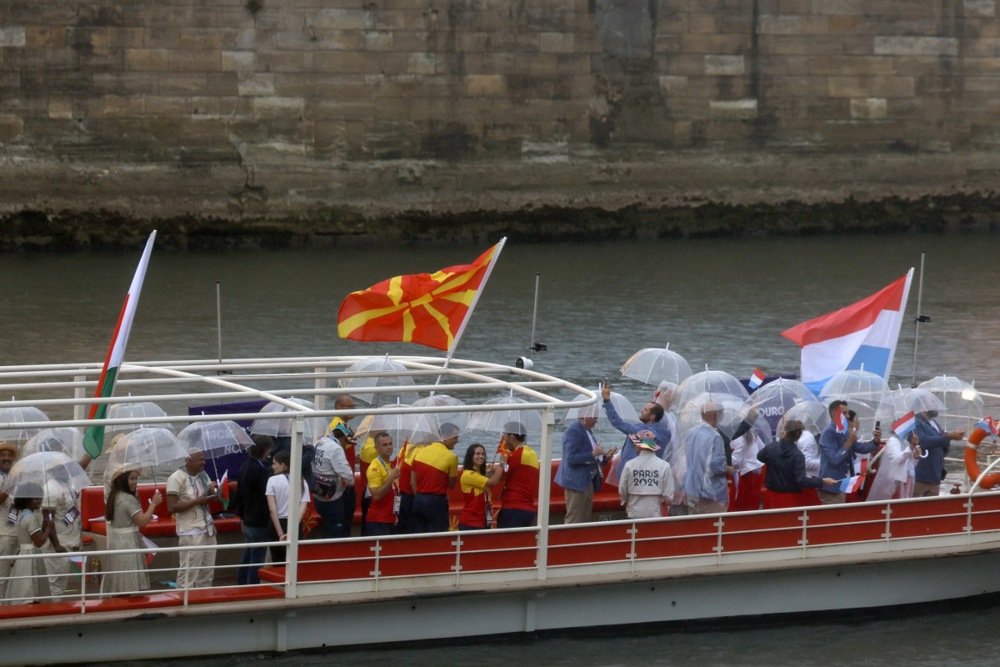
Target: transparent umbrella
458	418
863	392
812	413
145	448
67	440
921	400
963	404
730	418
378	374
775	398
715	383
281	427
215	438
31	475
653	365
11	417
138	411
410	427
894	405
507	417
622	406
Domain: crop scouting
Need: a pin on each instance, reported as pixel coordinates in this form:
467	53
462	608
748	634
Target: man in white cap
705	478
646	483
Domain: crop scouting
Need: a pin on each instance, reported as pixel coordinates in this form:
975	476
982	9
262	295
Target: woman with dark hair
126	573
29	578
477	482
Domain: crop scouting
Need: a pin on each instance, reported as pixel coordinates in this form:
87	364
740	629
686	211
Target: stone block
893	86
237	61
916	46
979	7
855	7
11	127
283	61
147	60
182	84
706	24
13	36
60	109
181	60
555	42
340	19
485	85
779	25
869	108
733	109
378	40
421	63
815	25
256	85
45	36
851	66
714	44
126	38
159	105
840	23
345	62
207	39
724	65
848	86
278	107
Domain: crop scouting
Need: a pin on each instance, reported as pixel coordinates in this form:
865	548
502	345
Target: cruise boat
413	588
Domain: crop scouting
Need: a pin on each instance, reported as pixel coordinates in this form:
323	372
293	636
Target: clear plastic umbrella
19	415
863	392
215	438
622	406
921	400
145	448
281	427
378	369
716	383
31	475
775	398
653	365
411	427
894	405
729	419
458	418
138	411
813	415
963	404
67	440
504	419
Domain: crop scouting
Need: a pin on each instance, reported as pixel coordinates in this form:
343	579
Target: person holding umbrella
519	498
8	516
189	491
29	578
126	573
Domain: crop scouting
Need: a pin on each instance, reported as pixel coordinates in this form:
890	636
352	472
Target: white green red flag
93	440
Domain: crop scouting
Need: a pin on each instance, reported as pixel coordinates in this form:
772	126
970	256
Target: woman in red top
477	481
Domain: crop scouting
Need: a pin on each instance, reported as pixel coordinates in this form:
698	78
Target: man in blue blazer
934	443
579	470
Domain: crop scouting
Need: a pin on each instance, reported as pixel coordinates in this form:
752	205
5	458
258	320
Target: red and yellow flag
426	308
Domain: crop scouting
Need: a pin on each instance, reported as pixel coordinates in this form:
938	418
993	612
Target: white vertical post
544	492
80	393
294	500
320	398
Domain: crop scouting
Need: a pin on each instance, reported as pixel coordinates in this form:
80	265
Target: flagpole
218	314
918	319
475	300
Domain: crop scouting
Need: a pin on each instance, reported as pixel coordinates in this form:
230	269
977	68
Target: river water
720	303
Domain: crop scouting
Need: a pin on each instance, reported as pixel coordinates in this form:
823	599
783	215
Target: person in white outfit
647	484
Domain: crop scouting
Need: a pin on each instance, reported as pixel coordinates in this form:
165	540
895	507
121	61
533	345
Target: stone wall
264	108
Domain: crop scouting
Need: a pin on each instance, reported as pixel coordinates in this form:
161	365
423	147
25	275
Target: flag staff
218	315
475	300
918	319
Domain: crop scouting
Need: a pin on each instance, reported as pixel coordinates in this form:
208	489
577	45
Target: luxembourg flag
757	379
852	484
93	440
840	421
988	425
905	424
862	335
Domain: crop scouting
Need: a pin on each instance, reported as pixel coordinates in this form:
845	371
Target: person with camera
934	443
838	445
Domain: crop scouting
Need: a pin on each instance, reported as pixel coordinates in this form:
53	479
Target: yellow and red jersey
406	466
367	455
380	511
433	466
520	488
475	492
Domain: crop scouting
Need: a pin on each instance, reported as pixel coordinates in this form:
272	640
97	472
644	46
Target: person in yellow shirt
381	490
435	470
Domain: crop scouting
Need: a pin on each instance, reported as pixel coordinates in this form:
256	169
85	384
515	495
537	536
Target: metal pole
534	318
544	492
218	315
916	321
294	501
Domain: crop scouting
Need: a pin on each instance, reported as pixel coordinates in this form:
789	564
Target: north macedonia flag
425	308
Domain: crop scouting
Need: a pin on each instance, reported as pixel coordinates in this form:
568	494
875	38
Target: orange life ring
972	465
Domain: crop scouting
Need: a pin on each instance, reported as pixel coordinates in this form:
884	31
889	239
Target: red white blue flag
852	484
840	420
860	336
757	379
905	424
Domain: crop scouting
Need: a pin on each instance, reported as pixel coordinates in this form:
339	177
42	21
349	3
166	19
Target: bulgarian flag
431	309
93	440
224	490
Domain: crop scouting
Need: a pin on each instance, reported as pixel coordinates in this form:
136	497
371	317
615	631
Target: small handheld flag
757	379
988	425
905	424
224	490
840	420
852	484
